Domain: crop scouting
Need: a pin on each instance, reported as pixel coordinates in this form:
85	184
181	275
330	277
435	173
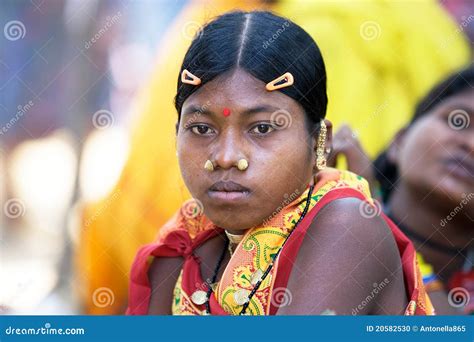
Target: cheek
191	163
420	153
284	167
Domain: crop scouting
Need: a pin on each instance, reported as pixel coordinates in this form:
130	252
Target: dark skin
274	167
346	143
343	253
436	164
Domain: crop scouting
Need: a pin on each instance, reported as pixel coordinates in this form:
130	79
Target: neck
236	232
426	219
235	239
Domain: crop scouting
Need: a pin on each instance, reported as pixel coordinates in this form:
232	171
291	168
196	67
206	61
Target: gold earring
209	166
242	164
320	158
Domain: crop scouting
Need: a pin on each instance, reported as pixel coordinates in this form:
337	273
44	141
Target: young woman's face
436	155
232	118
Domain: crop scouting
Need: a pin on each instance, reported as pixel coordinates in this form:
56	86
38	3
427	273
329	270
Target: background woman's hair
266	46
386	172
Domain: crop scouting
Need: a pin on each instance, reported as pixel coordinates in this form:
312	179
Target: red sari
183	234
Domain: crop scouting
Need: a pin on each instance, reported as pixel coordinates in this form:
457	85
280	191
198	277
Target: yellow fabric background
374	84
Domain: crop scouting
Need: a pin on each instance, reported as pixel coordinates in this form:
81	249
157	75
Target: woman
144	183
427	180
267	217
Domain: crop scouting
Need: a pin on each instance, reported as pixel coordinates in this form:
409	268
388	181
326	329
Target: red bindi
226	112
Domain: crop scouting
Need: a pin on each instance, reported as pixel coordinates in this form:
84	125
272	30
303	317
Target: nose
466	139
228	149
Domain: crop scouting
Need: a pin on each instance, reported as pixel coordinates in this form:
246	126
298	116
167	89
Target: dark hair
266	46
385	171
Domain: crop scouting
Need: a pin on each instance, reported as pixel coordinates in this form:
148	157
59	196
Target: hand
346	143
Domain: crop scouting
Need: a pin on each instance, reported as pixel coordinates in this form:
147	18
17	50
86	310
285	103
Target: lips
228	191
461	167
228	186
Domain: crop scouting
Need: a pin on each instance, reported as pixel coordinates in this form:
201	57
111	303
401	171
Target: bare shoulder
358	221
347	253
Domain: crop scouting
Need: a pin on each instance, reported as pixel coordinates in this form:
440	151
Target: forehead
238	90
462	100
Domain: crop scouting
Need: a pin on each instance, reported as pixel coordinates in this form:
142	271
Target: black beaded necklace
214	277
422	239
267	271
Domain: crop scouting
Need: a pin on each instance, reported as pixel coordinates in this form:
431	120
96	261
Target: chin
453	190
229	222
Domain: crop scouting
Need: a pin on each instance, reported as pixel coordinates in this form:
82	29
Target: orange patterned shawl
184	232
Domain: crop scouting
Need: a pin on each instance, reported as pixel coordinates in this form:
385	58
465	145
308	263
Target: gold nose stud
209	166
242	164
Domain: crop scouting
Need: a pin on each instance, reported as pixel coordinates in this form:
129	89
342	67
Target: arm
440	302
347	263
163	275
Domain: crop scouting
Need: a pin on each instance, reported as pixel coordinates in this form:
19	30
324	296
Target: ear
393	150
328	145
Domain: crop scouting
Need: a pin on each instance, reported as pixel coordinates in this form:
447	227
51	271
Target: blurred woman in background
426	180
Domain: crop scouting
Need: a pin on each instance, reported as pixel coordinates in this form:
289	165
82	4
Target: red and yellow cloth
183	234
381	57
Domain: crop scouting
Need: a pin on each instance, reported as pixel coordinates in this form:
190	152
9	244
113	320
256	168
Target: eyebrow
254	110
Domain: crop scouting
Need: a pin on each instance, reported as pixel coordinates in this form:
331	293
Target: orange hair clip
275	84
188	78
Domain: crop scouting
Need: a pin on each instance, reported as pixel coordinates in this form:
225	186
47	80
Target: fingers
345	142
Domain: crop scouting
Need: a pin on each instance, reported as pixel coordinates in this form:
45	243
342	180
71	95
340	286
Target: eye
201	129
262	128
